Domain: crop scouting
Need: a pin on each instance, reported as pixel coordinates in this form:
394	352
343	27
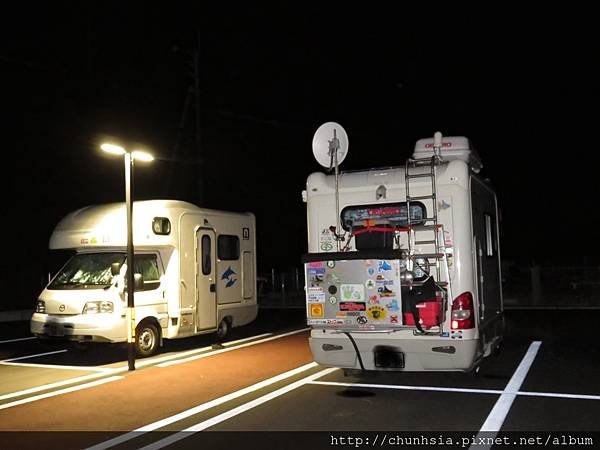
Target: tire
223	329
146	339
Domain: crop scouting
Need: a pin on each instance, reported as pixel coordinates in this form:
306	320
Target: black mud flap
387	357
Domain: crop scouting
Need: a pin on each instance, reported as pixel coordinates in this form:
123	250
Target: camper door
206	287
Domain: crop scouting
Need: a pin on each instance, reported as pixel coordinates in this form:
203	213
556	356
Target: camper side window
147	265
228	247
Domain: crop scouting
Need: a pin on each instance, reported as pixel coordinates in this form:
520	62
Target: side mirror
115	268
138	281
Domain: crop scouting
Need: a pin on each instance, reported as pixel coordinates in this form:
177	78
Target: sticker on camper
230	276
362	320
315	265
371	271
385	292
317	310
447	239
370	284
353	306
325	321
331	264
355	292
245	234
384	266
315	295
326	240
376	312
393	305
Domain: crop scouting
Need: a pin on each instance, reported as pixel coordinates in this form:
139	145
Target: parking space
542	380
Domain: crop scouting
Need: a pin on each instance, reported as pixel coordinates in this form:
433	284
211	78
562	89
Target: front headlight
40	307
98	307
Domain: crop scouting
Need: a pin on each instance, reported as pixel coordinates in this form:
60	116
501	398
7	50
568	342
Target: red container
429	314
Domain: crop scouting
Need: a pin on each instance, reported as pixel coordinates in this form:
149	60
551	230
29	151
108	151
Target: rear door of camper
206	283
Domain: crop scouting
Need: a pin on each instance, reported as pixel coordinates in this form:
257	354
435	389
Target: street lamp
129	157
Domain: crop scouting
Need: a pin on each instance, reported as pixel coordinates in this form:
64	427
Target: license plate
388	358
56	330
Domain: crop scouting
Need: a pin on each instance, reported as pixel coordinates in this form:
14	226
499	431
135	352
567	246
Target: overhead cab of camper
391	273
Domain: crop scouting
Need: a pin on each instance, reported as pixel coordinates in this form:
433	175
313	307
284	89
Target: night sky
522	87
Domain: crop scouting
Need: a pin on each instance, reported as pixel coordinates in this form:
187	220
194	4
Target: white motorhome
411	279
196	270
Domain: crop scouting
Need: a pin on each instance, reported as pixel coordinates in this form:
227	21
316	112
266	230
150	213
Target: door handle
213	287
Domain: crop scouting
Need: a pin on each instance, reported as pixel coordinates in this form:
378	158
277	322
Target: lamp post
129	158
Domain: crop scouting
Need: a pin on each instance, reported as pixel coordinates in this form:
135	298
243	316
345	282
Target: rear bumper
92	328
419	353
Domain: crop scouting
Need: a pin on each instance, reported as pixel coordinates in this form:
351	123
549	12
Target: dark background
522	87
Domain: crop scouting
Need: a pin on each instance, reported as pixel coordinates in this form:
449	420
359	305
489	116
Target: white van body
199	264
466	209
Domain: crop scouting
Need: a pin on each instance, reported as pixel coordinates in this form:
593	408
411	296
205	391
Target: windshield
87	271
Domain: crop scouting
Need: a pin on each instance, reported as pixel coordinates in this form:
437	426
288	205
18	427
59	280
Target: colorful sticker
394	319
370	284
317	310
374	300
332	300
352	306
393	305
371	271
385	292
354	292
384	266
315	295
362	320
326	241
230	276
331	264
315	265
376	312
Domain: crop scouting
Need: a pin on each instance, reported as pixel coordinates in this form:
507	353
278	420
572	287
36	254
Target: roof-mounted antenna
330	147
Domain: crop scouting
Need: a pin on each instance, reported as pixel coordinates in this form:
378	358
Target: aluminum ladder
434	232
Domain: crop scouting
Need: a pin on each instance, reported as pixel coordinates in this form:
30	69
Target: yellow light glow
114	149
139	155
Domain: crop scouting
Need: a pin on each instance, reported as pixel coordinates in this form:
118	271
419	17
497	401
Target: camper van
410	281
195	272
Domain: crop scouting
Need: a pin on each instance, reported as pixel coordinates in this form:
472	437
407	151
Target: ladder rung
426	242
425	227
441	284
428	255
419	161
420	197
420	175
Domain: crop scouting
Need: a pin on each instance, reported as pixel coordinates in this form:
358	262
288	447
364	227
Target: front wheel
146	339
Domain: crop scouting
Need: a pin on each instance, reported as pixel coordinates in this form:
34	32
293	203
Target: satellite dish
328	137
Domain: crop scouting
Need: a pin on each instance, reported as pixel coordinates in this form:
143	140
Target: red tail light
463	314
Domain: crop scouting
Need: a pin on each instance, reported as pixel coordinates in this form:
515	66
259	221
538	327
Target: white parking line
408	388
53	366
197	409
63	391
152	361
17	340
500	410
235	411
217	352
116	370
33	356
459	390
